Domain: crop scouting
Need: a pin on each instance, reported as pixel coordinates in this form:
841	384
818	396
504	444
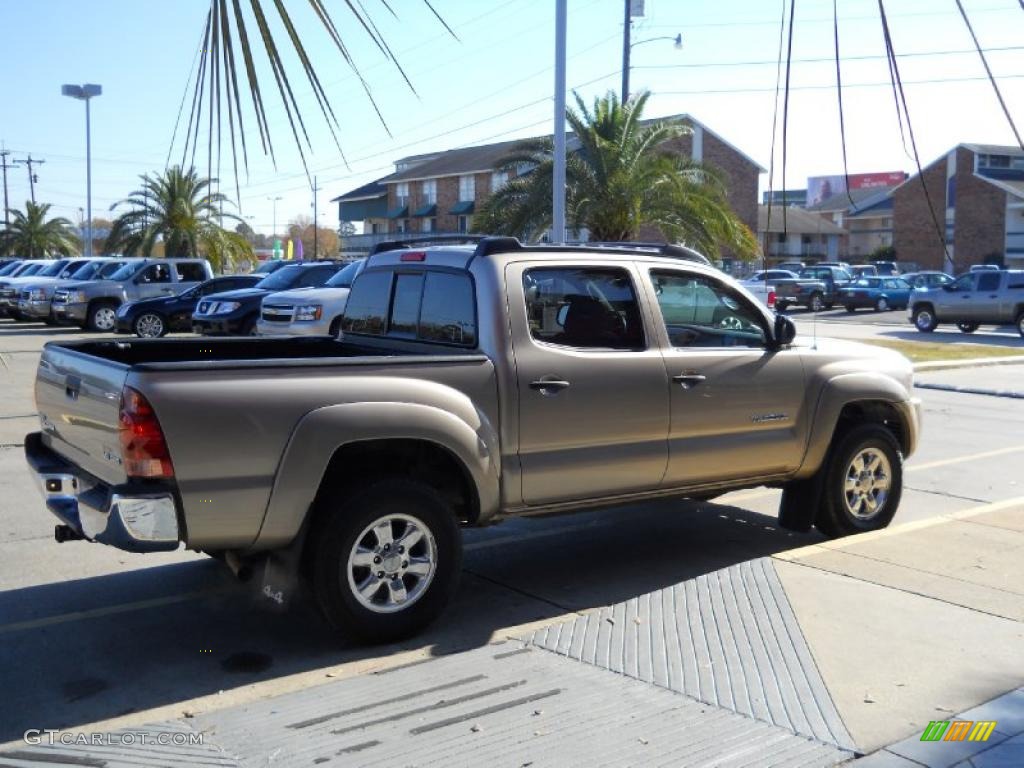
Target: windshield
866	282
266	266
125	272
344	278
52	270
74	269
8	268
282	279
28	269
106	270
89	270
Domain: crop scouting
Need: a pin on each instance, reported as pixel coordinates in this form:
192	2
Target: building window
430	192
994	161
887	223
467	188
402	194
498	180
780	237
464	224
429	225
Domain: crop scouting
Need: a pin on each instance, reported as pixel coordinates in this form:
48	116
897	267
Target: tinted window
964	283
314	277
448	312
31	269
701	312
989	281
190	272
267	266
281	279
405	304
367	308
125	272
9	267
73	269
868	282
589	308
346	276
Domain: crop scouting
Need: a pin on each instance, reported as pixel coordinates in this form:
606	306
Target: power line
831	85
823	19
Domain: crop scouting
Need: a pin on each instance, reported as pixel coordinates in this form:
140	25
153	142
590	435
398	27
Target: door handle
549	386
689	380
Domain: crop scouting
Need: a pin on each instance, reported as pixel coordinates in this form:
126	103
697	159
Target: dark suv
234	313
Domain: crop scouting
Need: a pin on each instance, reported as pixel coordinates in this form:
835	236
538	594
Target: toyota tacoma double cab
469	384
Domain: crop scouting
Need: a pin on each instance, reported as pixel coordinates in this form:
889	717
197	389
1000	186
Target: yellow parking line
969	457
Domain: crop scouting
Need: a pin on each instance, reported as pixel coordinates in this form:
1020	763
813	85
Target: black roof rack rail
494	245
413	242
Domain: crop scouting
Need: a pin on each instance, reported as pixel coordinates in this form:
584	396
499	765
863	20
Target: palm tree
31	234
178	208
619	177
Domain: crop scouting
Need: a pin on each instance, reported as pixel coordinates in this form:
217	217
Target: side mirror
784	331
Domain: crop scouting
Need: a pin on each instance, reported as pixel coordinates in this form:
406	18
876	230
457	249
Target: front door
985	304
154	280
593	398
960	299
737	406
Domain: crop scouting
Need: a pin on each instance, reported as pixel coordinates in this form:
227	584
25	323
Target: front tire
102	317
863	482
149	325
924	319
385	560
850	309
1020	324
815	303
882	304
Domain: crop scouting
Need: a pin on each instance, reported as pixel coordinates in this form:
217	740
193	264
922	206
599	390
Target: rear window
428	306
190	272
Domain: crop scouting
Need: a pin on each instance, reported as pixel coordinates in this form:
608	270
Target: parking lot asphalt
90	635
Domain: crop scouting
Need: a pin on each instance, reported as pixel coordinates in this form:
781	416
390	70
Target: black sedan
234	313
152	318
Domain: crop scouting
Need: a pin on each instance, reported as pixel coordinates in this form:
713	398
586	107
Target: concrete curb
971	390
944	365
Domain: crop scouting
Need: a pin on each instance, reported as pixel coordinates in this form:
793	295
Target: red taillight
143	447
414	256
771	299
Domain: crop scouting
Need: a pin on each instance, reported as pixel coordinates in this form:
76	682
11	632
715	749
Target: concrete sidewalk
1005	380
813	657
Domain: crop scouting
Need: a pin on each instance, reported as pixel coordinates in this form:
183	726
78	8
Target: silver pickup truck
976	298
469	384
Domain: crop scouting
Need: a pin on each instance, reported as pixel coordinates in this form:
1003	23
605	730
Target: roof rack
494	245
413	242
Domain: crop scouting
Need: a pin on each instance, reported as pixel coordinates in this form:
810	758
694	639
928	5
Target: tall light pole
274	201
558	185
85	93
627	46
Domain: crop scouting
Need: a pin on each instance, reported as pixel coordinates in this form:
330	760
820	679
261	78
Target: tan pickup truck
471	383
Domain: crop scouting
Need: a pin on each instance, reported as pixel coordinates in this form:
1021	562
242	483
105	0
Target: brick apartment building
795	234
977	191
439	192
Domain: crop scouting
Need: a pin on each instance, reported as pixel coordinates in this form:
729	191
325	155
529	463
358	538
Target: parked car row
980	296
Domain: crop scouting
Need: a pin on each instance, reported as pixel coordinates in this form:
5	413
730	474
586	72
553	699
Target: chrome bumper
120	517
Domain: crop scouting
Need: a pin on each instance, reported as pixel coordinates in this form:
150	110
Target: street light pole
558	185
626	47
85	93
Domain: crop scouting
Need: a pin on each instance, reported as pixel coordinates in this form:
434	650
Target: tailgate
79	397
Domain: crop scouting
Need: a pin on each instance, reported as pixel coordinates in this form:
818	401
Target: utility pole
315	225
4	164
558	186
625	52
32	177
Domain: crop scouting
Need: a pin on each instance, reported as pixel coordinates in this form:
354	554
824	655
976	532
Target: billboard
821	188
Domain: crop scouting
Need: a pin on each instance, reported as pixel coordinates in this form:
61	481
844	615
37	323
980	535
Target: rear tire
781	306
863	482
102	317
924	319
850	309
882	304
1020	324
815	303
150	325
967	327
349	556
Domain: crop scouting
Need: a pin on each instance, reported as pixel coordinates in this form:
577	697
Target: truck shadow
82	651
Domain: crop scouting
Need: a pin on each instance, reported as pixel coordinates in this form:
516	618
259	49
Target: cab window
155	273
190	272
964	283
700	312
989	281
584	308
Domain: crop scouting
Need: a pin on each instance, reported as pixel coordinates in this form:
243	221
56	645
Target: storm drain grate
728	638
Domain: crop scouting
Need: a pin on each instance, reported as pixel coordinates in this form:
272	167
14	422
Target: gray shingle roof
797	222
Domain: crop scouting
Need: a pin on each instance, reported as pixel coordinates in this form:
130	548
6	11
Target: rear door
985	304
189	274
153	280
737	407
593	397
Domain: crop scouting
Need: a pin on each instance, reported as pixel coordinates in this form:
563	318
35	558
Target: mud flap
800	502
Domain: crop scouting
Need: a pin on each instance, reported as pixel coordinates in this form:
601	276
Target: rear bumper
124	517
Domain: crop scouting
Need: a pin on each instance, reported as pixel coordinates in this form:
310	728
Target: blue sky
495	83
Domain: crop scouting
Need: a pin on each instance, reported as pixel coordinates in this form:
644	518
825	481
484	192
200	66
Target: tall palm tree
620	176
178	208
31	234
